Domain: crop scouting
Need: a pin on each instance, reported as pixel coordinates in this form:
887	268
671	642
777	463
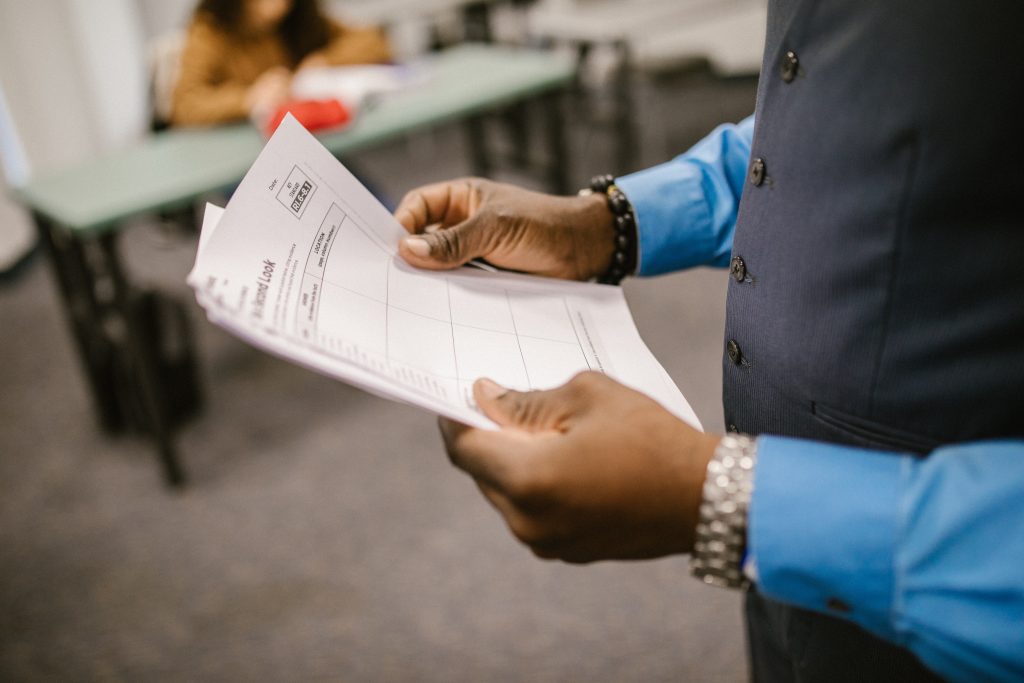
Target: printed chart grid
436	335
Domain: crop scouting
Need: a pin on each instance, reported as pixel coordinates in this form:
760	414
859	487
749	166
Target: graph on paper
303	263
438	333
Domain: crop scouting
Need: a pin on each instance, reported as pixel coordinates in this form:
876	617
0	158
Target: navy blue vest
877	296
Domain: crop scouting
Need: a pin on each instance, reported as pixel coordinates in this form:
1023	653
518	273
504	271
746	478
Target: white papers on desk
304	263
356	86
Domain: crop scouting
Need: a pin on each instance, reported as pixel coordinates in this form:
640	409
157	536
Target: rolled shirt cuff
823	528
686	208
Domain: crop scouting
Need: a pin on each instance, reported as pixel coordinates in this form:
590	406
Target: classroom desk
474	14
80	211
643	33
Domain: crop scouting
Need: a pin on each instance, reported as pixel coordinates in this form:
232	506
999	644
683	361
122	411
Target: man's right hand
459	220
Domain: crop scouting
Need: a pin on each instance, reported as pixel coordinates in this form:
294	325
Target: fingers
590	470
444	249
525	527
498	501
494	458
512	460
536	411
451	207
521	498
447	203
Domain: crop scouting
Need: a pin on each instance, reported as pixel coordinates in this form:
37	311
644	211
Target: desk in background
79	213
648	34
474	15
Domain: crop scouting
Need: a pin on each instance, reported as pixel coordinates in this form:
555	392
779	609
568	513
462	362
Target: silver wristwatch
721	539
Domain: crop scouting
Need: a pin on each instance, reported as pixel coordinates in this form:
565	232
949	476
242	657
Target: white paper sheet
303	263
357	85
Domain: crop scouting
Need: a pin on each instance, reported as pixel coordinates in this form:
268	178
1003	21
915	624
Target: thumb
532	411
445	248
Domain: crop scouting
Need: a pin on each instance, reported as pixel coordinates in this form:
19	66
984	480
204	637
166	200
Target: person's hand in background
268	92
314	60
589	471
456	221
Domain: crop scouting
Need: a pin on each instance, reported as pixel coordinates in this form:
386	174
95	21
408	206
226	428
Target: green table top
177	166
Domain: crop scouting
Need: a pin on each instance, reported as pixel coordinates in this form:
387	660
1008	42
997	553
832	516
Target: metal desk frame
79	213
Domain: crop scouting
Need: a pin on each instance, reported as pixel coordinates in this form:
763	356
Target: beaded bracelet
624	257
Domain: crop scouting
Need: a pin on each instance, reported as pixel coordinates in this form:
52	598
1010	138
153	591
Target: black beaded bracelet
624	257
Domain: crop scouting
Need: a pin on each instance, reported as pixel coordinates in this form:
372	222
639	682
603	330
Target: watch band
721	539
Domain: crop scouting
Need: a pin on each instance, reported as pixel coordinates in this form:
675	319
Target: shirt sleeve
686	208
926	553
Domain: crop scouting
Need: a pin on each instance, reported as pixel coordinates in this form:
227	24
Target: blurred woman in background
240	56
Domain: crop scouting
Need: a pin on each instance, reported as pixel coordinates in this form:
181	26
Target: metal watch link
721	539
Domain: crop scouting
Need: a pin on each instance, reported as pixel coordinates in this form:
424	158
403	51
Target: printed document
304	264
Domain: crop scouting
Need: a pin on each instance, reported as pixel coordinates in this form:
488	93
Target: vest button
732	429
757	169
737	269
733	351
790	66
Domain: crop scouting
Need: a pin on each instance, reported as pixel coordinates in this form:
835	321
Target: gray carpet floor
323	534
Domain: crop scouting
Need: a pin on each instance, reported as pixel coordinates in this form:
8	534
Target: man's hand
589	471
456	221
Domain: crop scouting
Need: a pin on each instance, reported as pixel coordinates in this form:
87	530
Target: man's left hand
589	471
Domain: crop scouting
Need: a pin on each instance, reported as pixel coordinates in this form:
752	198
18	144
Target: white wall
163	16
112	56
73	72
16	234
13	160
75	75
47	97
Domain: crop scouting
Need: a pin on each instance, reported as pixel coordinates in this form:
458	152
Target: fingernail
489	389
418	246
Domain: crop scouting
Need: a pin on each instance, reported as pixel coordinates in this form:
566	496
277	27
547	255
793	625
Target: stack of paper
304	264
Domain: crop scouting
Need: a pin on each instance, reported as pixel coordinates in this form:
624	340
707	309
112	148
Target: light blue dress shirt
926	553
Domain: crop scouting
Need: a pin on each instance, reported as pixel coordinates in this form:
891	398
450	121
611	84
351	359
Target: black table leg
97	303
476	22
624	121
476	137
144	363
84	310
558	148
515	120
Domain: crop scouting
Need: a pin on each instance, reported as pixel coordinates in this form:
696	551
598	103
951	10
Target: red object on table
313	114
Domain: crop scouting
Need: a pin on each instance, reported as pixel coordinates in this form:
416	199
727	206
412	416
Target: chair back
164	68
